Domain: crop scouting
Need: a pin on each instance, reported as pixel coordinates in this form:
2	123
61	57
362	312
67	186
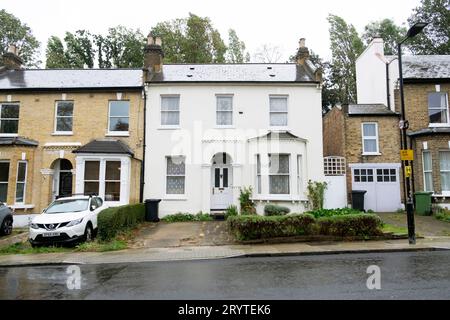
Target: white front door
221	187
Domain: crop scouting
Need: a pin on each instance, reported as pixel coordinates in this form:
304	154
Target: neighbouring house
212	129
69	131
365	137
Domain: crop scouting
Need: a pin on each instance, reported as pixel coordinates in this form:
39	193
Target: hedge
113	220
266	227
186	217
275	210
333	212
252	227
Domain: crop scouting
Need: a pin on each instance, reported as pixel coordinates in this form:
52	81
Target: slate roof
105	146
425	66
249	72
41	79
18	141
369	109
278	135
428	131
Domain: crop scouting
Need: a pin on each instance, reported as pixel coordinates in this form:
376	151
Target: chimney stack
11	59
302	53
153	57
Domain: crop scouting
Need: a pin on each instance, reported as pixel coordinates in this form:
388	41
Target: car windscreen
73	205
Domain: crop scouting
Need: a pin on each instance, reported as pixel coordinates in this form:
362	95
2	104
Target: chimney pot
302	53
158	41
11	59
150	39
302	43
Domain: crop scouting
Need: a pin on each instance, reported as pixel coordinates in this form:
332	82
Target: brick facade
90	121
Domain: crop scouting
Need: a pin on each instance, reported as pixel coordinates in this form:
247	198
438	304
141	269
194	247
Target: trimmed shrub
186	217
113	220
275	210
231	211
245	200
252	227
333	212
351	225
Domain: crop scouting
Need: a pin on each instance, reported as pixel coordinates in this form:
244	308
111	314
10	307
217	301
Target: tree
435	37
236	49
80	50
346	46
120	48
268	53
13	31
191	40
386	29
55	53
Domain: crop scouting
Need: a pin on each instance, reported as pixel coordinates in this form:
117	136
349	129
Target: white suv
67	220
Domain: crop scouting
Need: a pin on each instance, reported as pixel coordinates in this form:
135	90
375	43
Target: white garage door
382	183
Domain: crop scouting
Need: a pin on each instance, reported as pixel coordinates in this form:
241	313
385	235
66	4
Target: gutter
144	146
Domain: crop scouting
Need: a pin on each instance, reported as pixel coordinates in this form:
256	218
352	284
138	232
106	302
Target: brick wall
333	133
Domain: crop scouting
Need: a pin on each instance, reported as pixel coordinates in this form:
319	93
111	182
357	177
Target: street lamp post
412	32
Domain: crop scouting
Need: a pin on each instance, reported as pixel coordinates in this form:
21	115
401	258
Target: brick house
69	131
368	138
426	90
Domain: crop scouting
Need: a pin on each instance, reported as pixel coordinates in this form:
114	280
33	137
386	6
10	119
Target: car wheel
6	227
88	233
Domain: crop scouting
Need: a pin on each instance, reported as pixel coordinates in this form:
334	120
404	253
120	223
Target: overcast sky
277	22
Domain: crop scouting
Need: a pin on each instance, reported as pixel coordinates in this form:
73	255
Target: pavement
225	251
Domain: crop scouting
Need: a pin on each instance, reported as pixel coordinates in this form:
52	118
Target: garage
382	183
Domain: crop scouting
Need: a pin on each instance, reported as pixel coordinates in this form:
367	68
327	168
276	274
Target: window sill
278	128
224	127
174	197
273	197
118	134
22	206
169	128
438	125
9	134
371	154
68	133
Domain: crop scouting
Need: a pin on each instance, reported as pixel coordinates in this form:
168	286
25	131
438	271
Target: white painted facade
371	80
200	140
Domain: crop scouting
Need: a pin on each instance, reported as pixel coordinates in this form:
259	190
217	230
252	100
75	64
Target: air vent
269	68
189	75
272	75
191	68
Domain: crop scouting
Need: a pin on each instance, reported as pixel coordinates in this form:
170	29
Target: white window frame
18	119
299	174
174	195
61	133
231	96
115	181
427	171
258	183
444	192
377	152
99	174
281	174
24	182
443	124
280	127
169	126
7	182
118	133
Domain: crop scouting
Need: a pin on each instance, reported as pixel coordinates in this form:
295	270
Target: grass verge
388	228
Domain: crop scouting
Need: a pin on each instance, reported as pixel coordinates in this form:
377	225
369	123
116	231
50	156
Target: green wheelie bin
423	203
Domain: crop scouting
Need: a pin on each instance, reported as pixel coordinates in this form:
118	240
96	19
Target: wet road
414	275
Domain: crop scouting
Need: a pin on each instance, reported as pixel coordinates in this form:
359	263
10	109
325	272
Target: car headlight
74	222
34	226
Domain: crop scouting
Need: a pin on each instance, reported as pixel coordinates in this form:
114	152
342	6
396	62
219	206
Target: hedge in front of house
253	227
333	212
256	227
351	225
113	220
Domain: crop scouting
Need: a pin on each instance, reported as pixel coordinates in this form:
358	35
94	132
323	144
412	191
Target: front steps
218	214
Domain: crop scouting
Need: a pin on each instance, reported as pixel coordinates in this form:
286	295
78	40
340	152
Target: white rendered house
213	129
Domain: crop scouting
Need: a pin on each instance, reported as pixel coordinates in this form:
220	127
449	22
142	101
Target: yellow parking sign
407	171
407	155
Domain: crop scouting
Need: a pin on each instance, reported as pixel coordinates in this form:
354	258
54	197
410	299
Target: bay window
92	177
278	174
21	181
427	171
444	163
4	178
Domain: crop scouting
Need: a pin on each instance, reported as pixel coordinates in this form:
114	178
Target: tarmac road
404	275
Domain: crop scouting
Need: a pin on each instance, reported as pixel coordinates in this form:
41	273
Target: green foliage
333	212
231	211
252	227
351	225
275	210
370	211
256	227
386	29
186	217
435	37
400	210
245	200
13	31
236	49
389	228
443	215
80	51
55	53
346	46
316	194
111	221
190	40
